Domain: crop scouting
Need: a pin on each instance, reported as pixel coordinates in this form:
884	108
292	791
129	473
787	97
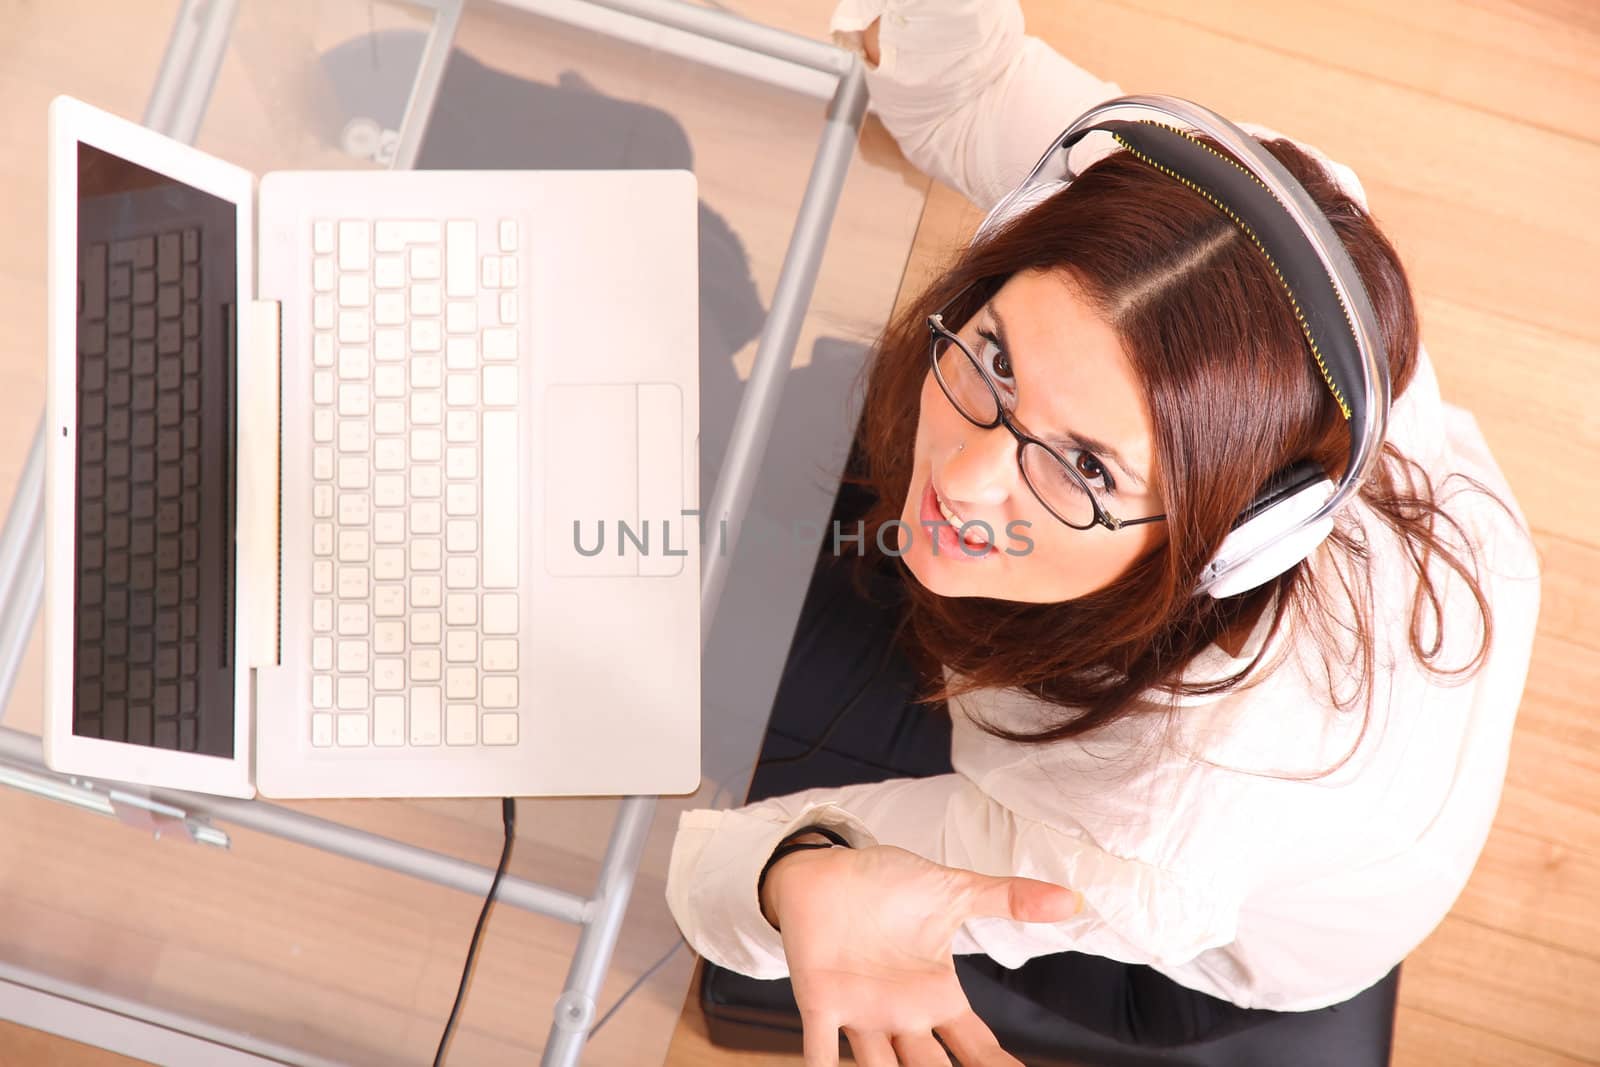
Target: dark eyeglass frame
1102	517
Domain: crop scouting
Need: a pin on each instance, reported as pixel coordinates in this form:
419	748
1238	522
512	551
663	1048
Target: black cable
833	724
838	716
508	816
510	813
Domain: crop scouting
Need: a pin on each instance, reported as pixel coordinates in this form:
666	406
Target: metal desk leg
189	67
758	408
21	566
425	88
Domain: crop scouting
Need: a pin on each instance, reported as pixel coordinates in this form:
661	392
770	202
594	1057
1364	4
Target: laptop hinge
259	483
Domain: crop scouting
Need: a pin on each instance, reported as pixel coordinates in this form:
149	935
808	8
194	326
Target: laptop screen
157	266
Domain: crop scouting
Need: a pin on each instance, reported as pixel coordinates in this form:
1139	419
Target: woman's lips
947	541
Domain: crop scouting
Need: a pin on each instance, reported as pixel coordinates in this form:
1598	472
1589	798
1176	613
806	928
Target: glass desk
272	951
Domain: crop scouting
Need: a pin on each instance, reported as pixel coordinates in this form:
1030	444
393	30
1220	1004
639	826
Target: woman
1222	808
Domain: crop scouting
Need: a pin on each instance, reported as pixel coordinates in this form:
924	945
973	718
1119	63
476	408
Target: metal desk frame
177	104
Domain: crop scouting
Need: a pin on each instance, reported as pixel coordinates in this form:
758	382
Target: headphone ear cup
1240	564
1015	203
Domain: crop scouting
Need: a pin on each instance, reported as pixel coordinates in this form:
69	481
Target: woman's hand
868	934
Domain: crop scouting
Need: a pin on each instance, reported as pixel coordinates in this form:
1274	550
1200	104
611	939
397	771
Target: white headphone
1293	513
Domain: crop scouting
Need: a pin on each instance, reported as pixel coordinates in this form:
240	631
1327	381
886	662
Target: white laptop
369	483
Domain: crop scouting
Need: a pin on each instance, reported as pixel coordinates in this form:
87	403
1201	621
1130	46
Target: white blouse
1192	858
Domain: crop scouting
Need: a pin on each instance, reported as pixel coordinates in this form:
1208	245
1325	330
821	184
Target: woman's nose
981	469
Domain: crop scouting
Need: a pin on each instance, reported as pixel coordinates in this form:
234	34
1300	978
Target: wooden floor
1475	127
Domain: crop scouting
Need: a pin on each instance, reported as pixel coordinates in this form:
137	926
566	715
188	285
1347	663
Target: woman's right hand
868	935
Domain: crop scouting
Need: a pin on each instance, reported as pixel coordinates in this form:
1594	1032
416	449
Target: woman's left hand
868	934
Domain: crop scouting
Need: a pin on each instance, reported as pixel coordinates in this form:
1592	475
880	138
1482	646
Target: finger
920	1050
819	1041
871	1048
974	1043
1024	899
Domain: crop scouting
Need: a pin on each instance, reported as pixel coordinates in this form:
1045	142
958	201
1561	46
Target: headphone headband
1322	285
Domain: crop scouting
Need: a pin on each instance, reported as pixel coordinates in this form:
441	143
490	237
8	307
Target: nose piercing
962	447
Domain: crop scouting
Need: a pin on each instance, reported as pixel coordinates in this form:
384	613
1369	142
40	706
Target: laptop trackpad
614	479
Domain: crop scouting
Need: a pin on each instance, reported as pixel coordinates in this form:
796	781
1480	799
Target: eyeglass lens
968	388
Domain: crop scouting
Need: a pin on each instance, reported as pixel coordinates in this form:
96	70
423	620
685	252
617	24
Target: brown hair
1233	396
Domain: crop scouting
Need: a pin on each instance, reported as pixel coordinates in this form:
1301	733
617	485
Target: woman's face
1064	378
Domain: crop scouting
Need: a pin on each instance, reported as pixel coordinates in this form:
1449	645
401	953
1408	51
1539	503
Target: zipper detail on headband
1305	327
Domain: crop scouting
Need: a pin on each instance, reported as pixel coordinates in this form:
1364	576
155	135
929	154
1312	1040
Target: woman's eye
1093	472
993	358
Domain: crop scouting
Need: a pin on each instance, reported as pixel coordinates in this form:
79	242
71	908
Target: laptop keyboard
143	547
415	483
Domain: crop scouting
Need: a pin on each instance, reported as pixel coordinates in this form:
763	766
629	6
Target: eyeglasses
1054	481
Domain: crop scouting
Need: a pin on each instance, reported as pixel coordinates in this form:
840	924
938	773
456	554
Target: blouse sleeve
969	98
1133	911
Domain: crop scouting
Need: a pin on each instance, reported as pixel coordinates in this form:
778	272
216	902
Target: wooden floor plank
1538	888
1522	382
1516	61
1569	603
1507	986
30	1048
1552	788
1423	1039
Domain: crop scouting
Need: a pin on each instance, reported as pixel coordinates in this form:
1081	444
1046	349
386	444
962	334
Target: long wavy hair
1233	396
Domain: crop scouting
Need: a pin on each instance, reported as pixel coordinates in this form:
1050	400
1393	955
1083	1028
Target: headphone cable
508	817
839	716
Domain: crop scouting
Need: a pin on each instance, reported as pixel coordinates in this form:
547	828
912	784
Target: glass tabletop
320	953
